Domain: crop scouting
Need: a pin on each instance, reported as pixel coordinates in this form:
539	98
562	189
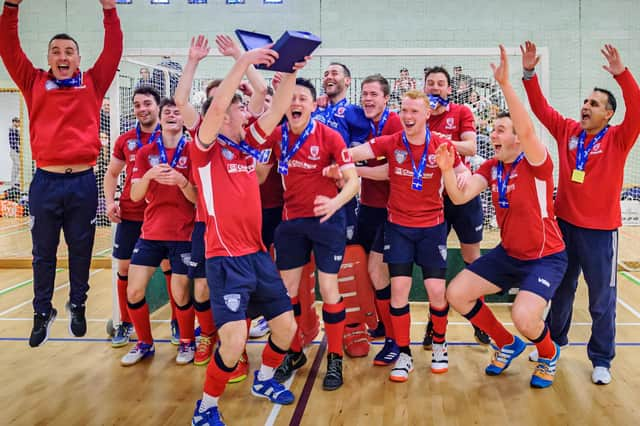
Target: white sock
265	373
208	401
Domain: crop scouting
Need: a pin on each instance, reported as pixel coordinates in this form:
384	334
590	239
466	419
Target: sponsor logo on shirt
400	155
232	301
314	151
404	172
240	168
302	165
132	144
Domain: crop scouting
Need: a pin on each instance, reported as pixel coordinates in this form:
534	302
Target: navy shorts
243	284
271	218
127	234
427	247
466	219
540	276
371	222
294	240
197	262
151	253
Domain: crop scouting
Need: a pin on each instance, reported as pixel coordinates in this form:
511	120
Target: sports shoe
439	358
211	417
377	332
261	328
388	354
175	333
241	370
121	335
402	368
503	357
291	362
77	320
204	350
139	352
41	326
333	378
272	390
186	352
481	337
601	376
533	355
356	341
427	342
545	371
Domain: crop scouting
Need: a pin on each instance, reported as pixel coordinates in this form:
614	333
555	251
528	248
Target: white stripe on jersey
256	135
541	196
207	194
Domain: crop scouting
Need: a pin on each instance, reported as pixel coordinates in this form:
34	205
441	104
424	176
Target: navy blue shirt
348	119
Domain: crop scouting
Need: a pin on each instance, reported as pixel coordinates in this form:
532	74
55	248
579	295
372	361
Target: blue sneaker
211	417
175	333
122	335
272	390
388	354
545	371
503	357
139	352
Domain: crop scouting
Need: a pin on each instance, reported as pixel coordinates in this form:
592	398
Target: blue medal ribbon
153	137
75	81
383	120
330	110
286	154
582	153
503	183
176	155
435	100
260	156
416	182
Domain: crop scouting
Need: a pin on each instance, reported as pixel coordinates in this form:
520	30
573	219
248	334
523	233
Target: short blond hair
417	94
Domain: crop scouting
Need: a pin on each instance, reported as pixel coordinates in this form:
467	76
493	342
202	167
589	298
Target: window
272	1
159	1
123	1
235	1
197	1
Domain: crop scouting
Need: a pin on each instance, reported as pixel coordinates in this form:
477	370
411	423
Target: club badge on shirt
132	144
154	160
314	151
400	155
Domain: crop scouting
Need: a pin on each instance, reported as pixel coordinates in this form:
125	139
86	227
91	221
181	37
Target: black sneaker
427	342
77	321
41	325
292	361
333	379
482	337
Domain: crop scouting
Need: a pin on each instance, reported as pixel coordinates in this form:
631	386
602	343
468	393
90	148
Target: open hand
530	58
612	56
199	48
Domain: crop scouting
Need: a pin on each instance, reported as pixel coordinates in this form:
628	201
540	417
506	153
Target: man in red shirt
161	178
64	109
520	177
415	230
591	159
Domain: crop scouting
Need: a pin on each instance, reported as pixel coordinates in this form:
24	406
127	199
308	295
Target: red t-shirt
595	203
453	122
304	181
271	191
125	149
375	193
408	207
528	228
229	191
169	215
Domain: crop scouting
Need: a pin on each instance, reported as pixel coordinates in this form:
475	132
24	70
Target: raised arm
198	50
534	150
474	185
20	68
106	66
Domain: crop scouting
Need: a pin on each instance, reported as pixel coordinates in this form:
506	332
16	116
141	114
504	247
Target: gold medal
577	176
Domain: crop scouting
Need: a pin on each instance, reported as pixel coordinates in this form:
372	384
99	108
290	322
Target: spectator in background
145	78
159	78
14	151
404	83
105	116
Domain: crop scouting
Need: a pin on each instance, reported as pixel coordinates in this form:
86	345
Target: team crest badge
340	112
573	143
400	155
154	160
315	150
450	124
132	144
182	162
494	173
228	154
431	160
232	301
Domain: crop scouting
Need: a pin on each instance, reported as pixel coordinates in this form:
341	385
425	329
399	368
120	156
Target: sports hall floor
79	381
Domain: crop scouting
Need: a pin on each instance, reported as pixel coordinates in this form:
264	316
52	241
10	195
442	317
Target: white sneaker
401	369
533	356
260	328
139	352
601	376
186	353
439	358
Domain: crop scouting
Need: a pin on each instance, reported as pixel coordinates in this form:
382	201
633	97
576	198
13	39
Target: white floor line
273	415
103	320
629	307
26	302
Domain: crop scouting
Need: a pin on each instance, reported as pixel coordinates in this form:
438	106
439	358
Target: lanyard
416	182
582	154
503	183
330	110
153	137
163	152
383	120
260	156
75	81
435	100
286	154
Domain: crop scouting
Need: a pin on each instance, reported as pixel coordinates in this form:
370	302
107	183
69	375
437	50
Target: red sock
545	346
172	303
272	355
217	376
123	281
334	316
296	342
205	318
439	317
139	314
383	306
401	319
482	317
186	317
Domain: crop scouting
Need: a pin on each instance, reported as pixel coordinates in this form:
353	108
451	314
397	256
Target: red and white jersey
375	193
453	122
528	228
595	203
125	149
304	182
169	215
271	190
229	191
408	207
